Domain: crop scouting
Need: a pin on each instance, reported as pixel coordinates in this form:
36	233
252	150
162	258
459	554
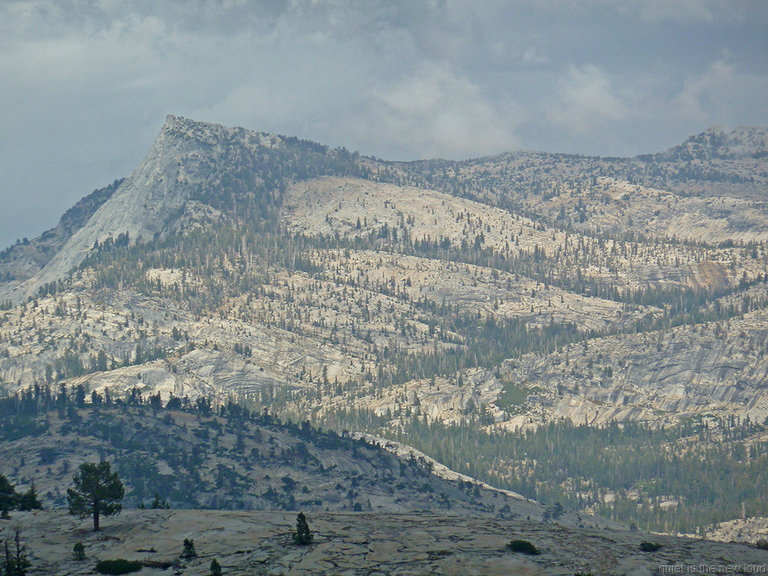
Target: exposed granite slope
259	543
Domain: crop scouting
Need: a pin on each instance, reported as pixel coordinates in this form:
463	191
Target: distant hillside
719	175
746	142
191	455
196	170
717	162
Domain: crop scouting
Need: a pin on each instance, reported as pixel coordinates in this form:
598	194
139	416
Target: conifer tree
8	496
302	536
16	562
189	549
29	500
97	492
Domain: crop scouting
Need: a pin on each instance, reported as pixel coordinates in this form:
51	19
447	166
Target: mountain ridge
742	141
167	178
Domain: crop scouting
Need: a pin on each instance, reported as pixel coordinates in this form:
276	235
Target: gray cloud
437	111
86	85
586	103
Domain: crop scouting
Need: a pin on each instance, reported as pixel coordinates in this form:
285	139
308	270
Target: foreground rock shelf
246	542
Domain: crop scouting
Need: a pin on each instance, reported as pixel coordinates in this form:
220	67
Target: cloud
698	91
534	56
723	91
586	102
678	10
87	84
439	112
654	11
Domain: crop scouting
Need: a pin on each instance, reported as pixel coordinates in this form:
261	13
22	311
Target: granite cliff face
152	199
26	258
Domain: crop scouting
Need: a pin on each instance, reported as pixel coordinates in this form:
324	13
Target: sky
85	85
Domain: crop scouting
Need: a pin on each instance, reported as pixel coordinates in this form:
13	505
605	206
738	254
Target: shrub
649	546
78	551
215	568
523	547
162	564
119	566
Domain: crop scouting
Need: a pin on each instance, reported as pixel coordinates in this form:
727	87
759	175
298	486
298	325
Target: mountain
192	171
541	322
746	142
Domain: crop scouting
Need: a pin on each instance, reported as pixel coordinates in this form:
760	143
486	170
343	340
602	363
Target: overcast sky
85	84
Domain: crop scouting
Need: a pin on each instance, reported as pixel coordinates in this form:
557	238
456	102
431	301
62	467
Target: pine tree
16	562
8	496
29	500
302	536
189	549
97	492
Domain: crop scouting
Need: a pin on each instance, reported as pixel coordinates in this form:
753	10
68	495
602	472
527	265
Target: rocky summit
580	335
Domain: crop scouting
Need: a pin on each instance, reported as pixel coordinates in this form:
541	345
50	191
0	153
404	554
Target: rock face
452	238
748	530
192	170
394	245
709	189
145	204
664	376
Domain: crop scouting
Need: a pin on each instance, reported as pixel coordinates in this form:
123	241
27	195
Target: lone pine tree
302	536
97	492
189	549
